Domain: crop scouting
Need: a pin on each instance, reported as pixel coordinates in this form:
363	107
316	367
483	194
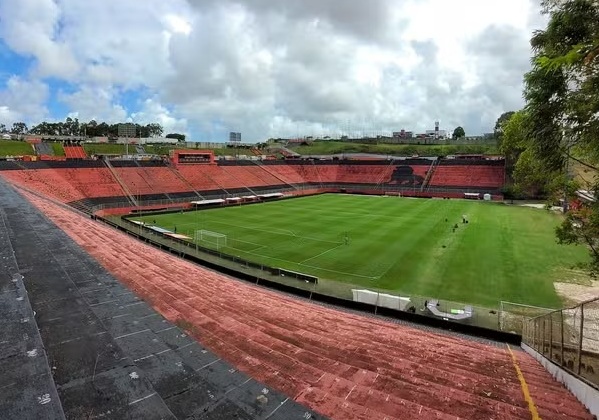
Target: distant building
439	134
403	134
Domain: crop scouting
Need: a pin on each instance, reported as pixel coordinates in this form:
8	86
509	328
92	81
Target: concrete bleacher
155	180
285	172
77	344
472	175
341	365
74	152
150	179
198	178
67	184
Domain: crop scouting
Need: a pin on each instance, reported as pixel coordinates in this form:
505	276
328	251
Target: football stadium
299	210
189	286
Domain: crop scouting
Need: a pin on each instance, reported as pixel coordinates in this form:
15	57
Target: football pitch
401	245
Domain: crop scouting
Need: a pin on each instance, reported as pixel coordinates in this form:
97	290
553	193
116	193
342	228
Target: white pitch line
322	253
312	266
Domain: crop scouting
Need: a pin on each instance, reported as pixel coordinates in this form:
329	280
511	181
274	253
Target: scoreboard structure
185	157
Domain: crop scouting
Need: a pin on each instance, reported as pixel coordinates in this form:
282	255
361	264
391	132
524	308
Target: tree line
558	128
73	127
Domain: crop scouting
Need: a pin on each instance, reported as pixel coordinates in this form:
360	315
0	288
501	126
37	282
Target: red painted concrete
342	365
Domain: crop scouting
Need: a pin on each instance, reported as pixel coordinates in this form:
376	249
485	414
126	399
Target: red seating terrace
341	365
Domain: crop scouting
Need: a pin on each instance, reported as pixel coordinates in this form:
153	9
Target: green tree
562	101
19	128
503	118
179	137
458	133
3	129
525	171
154	130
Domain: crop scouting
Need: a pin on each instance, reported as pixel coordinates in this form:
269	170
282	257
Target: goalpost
215	239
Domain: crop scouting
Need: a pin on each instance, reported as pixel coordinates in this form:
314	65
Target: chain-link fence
568	337
512	315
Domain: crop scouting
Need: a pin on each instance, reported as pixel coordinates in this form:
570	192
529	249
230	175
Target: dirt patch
573	292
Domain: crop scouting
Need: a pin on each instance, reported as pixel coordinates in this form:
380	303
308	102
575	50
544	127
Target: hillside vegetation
15	148
338	147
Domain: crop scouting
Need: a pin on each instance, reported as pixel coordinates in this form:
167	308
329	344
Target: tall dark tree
3	129
154	130
503	118
179	137
19	128
562	101
458	133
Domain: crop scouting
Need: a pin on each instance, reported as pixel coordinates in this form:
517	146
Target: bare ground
573	292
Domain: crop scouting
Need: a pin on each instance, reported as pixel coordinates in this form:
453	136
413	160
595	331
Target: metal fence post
561	313
550	336
543	333
580	338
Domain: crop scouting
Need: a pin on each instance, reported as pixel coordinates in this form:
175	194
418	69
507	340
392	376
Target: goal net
213	239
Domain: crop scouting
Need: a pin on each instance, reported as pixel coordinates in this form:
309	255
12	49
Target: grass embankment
15	148
338	147
57	149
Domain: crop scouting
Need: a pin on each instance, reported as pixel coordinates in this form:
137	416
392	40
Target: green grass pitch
399	244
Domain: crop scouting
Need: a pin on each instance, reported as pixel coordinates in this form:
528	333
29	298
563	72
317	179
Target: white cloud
153	112
30	27
275	68
23	100
91	103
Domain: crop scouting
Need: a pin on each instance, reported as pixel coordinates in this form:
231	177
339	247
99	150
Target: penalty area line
311	266
321	254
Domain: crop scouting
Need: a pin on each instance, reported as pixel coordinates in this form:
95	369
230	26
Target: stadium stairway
343	365
43	149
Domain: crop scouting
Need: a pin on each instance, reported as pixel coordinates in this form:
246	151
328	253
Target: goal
214	239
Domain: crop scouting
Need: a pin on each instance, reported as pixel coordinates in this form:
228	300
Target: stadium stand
250	176
67	184
74	152
478	174
316	174
285	172
198	178
156	180
222	178
341	365
149	178
77	344
264	175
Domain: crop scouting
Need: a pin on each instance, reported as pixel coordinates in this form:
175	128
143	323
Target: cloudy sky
266	68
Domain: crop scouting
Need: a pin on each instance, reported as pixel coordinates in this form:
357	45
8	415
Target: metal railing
569	337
